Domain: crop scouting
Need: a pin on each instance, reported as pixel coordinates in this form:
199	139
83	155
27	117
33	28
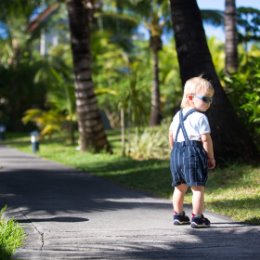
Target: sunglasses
205	99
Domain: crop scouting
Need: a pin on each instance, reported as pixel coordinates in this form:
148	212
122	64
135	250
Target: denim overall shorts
188	162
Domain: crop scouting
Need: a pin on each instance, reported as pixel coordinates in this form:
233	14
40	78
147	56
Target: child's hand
211	163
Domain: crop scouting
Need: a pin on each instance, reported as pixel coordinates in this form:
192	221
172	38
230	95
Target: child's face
202	101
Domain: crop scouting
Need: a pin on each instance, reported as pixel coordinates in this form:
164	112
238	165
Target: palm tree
91	129
155	20
154	16
155	29
249	23
229	135
231	58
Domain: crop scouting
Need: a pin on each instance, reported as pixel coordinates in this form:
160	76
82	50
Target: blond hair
193	86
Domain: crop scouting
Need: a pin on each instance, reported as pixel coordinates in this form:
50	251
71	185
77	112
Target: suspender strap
181	124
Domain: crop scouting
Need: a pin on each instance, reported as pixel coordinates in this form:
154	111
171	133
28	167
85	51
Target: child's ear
190	97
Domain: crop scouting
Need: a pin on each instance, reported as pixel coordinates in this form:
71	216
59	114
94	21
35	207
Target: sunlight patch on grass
234	191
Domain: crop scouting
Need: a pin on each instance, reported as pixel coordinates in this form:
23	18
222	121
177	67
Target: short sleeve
203	124
171	127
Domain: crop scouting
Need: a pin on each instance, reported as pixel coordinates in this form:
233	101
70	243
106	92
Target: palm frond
213	17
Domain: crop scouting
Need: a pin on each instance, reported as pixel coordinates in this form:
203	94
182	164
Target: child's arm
170	139
208	146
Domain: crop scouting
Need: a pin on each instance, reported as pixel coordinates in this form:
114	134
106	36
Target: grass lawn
233	190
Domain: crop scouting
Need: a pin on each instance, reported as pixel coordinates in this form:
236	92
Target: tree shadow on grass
150	176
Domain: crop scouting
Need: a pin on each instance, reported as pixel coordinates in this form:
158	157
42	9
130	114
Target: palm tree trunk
231	58
156	116
91	129
231	141
122	124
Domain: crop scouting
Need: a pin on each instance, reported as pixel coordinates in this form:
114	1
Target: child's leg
198	220
197	199
178	197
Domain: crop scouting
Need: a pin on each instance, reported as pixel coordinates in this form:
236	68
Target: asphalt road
68	214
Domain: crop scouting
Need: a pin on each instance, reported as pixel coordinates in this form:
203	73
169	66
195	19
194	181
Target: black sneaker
181	219
200	222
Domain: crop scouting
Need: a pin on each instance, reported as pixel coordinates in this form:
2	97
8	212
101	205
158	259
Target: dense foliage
244	92
37	88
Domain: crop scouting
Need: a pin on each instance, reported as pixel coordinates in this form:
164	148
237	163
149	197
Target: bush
11	236
152	143
244	92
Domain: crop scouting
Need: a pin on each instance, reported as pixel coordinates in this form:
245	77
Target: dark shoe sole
178	223
194	225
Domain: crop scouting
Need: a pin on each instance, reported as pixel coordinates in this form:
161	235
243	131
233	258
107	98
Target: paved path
68	214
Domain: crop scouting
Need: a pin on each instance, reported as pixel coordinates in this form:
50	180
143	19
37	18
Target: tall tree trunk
231	141
122	125
156	116
43	47
91	129
231	56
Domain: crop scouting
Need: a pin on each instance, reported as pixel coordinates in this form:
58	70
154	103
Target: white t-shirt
196	124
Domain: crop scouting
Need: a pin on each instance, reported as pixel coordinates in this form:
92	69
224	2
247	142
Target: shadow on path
54	219
77	216
62	190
